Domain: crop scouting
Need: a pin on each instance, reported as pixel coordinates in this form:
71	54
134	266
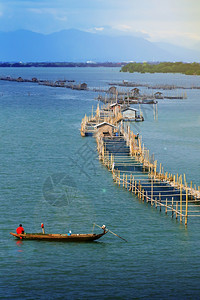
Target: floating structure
131	114
58	83
126	83
132	167
133	96
109	115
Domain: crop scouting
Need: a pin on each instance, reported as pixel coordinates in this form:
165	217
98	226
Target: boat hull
58	237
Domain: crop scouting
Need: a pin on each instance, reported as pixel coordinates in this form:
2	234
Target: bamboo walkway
133	169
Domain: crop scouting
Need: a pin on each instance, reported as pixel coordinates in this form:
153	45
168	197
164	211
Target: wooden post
126	181
133	184
176	209
166	206
156	204
119	177
140	191
147	197
186	207
130	182
135	187
160	171
112	163
172	207
160	200
185	182
155	168
123	180
143	195
113	176
181	198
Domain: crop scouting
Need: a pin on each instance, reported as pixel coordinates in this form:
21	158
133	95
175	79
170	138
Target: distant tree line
163	67
57	64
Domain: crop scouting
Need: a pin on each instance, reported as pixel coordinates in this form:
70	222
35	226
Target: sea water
50	174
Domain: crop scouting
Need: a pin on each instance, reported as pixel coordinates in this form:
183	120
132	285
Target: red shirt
20	230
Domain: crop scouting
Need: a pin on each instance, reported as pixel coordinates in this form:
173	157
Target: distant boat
148	101
59	237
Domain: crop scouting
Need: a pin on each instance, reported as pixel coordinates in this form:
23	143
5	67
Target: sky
171	21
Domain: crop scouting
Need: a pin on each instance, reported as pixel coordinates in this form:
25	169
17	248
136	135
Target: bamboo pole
166	206
139	194
160	170
130	182
135	187
151	189
140	191
160	200
133	184
186	208
181	198
174	180
176	209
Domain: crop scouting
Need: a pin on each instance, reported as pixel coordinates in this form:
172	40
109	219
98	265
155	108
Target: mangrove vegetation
163	67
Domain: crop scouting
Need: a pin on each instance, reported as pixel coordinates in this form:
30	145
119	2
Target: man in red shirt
20	229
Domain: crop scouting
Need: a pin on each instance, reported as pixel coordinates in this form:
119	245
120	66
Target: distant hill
78	46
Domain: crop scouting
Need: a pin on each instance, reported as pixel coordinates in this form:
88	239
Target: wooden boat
59	237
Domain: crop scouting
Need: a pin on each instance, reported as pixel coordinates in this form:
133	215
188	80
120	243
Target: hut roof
158	93
114	104
129	108
112	89
135	89
103	124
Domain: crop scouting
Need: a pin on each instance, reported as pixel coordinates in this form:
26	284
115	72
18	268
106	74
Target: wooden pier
132	167
112	114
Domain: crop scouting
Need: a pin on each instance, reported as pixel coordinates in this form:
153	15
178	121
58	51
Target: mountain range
78	46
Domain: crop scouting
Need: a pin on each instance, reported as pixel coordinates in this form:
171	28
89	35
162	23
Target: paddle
112	233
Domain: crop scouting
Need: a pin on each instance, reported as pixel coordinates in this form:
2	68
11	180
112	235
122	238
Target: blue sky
174	21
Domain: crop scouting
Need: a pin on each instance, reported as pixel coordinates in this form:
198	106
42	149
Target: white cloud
170	21
186	39
123	27
99	28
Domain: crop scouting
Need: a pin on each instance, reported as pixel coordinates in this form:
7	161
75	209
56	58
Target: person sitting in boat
42	226
69	233
104	228
20	229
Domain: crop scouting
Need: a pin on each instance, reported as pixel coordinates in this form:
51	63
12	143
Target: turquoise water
50	174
